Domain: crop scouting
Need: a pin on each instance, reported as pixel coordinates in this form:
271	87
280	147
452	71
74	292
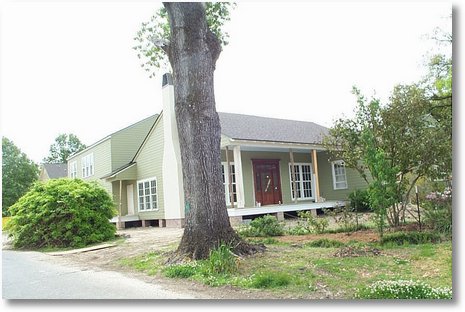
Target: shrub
325	243
270	280
62	213
403	290
307	223
262	227
414	237
438	211
360	201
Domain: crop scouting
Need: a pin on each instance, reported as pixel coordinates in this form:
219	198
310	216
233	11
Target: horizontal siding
354	180
126	142
149	165
102	163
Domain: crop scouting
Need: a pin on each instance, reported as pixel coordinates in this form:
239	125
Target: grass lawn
298	270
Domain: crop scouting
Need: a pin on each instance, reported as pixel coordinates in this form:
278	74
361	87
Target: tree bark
193	52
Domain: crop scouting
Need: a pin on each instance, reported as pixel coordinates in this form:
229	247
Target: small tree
62	213
65	145
18	174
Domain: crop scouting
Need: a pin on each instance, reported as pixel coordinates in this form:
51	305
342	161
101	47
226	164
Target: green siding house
269	166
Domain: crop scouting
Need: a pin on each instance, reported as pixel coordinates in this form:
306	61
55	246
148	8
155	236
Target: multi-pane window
147	194
87	165
339	175
225	172
73	170
303	181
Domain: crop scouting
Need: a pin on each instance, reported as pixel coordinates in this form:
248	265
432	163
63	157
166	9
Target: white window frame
335	183
224	165
73	170
145	195
300	183
87	165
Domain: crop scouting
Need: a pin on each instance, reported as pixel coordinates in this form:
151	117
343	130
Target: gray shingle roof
246	127
56	171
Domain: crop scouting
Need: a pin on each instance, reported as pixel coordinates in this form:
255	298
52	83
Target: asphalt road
33	275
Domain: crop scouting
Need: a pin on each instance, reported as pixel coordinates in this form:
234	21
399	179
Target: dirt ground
138	241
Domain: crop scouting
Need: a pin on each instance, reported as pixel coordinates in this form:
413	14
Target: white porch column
315	176
173	189
239	176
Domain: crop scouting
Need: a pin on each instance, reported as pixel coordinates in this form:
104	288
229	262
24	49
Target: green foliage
65	145
360	201
221	261
155	34
264	226
402	289
62	213
307	224
18	174
270	279
325	243
414	237
438	211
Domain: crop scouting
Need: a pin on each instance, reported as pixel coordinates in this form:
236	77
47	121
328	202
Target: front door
267	181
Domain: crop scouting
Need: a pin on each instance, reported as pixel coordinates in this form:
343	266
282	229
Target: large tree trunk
193	51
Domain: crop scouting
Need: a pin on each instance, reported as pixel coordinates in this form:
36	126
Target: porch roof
126	172
263	129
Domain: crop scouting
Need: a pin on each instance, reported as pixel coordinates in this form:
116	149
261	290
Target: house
269	166
108	154
53	171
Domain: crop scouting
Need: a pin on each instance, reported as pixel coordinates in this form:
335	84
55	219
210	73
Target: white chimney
173	191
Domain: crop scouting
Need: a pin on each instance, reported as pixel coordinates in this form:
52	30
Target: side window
339	175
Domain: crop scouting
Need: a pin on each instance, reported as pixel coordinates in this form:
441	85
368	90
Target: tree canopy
152	40
65	145
394	144
18	174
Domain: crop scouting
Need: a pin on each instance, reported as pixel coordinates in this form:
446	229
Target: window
303	180
73	170
339	175
87	165
147	194
226	182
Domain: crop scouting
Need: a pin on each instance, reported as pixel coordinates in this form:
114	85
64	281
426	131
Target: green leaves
154	34
62	213
65	145
18	174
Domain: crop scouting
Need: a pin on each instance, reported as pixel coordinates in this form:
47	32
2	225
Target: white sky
69	67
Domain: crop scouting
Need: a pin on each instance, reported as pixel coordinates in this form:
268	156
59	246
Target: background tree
18	174
64	146
192	48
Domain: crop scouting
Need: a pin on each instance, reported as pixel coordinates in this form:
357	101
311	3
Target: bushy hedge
62	213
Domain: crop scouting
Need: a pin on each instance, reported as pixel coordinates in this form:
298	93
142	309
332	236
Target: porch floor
239	212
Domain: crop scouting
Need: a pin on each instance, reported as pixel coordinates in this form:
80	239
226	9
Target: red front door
267	181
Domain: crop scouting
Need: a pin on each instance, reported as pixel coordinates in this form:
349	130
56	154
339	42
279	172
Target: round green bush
62	213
